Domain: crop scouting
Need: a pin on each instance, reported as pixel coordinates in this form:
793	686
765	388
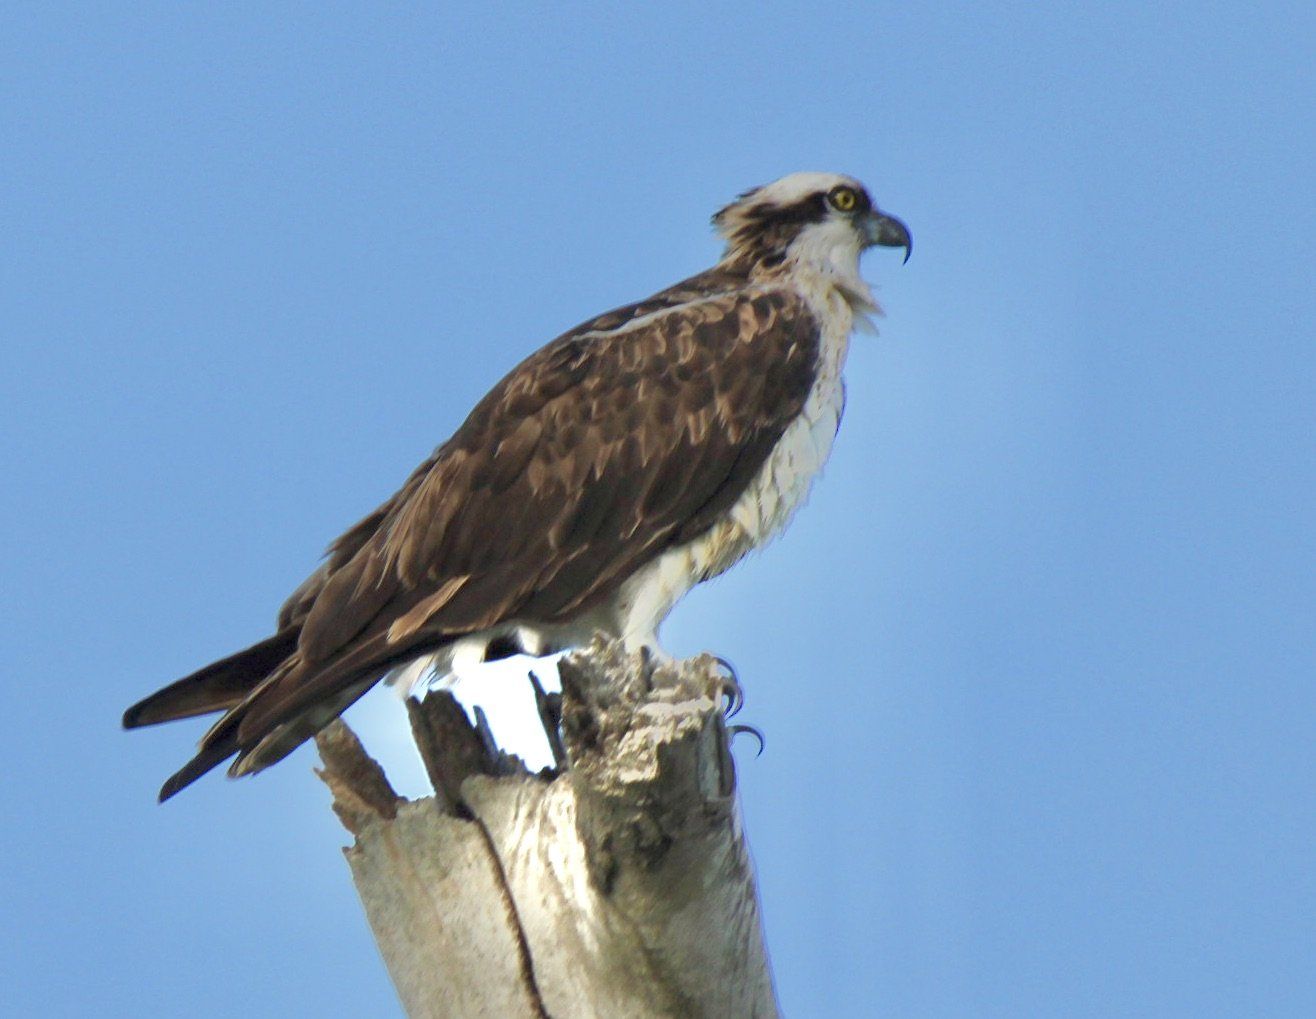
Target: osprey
642	452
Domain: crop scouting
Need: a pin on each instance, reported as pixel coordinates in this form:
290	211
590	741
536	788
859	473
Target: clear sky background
1036	664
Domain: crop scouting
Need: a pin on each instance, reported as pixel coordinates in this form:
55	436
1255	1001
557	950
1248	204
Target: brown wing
584	463
588	460
715	281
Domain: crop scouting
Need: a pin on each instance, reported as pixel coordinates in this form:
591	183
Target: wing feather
588	460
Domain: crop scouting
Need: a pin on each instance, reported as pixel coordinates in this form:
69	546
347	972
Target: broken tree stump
616	885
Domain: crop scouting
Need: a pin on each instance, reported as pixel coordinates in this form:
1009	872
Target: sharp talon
735	730
735	696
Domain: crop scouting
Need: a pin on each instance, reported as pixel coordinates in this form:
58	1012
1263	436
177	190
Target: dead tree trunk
617	885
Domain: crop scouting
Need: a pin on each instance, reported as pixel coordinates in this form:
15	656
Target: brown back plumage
626	436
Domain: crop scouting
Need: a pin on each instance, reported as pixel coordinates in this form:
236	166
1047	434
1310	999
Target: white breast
770	500
759	515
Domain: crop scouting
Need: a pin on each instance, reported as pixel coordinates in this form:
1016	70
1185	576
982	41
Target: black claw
735	696
735	730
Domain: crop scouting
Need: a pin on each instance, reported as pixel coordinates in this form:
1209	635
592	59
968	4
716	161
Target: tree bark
616	885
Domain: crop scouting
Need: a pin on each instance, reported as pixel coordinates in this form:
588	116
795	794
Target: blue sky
1035	664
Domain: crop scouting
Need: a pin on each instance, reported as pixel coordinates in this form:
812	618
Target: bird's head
822	220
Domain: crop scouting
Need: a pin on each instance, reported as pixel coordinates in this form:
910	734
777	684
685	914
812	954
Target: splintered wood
616	885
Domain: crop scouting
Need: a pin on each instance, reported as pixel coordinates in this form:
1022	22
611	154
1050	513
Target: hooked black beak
888	232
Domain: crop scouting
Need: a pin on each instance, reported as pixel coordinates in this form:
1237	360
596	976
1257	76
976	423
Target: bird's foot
730	686
735	730
735	700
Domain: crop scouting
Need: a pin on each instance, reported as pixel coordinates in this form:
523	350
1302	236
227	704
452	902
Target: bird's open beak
888	232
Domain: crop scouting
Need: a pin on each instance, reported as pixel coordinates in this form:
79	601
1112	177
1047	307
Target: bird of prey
634	456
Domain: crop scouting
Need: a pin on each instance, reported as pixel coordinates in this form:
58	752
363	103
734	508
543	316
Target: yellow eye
844	199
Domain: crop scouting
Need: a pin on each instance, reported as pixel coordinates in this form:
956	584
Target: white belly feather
768	503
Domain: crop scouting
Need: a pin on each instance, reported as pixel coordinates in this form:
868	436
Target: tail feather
218	687
217	745
272	699
224	739
209	757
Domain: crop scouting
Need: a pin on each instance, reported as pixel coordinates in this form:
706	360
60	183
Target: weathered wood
619	886
361	790
449	745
